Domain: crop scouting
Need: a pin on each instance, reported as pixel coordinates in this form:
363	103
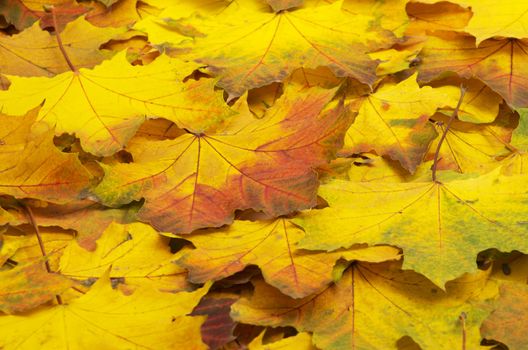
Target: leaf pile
263	174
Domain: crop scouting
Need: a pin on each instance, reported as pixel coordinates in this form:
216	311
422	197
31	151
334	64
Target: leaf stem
59	40
453	116
462	319
33	223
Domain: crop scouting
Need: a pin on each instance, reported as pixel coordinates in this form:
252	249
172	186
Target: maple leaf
472	147
23	13
147	318
396	22
127	249
430	221
121	13
394	121
428	16
28	286
499	63
507	323
347	315
520	134
73	216
271	245
217	330
203	178
31	166
279	5
491	19
179	20
187	115
480	104
281	42
35	52
26	249
301	341
111	100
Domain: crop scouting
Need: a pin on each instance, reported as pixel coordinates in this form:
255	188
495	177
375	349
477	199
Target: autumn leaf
217	330
127	249
301	341
121	13
338	174
103	316
428	16
480	104
112	100
23	13
24	249
271	245
281	42
472	147
520	134
394	121
29	285
499	63
508	322
491	19
389	300
279	5
35	52
203	178
31	166
430	221
396	23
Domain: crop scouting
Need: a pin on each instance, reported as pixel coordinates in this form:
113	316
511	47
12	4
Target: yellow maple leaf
111	101
394	121
31	166
430	221
35	52
105	317
272	246
494	19
372	307
301	341
128	249
284	41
